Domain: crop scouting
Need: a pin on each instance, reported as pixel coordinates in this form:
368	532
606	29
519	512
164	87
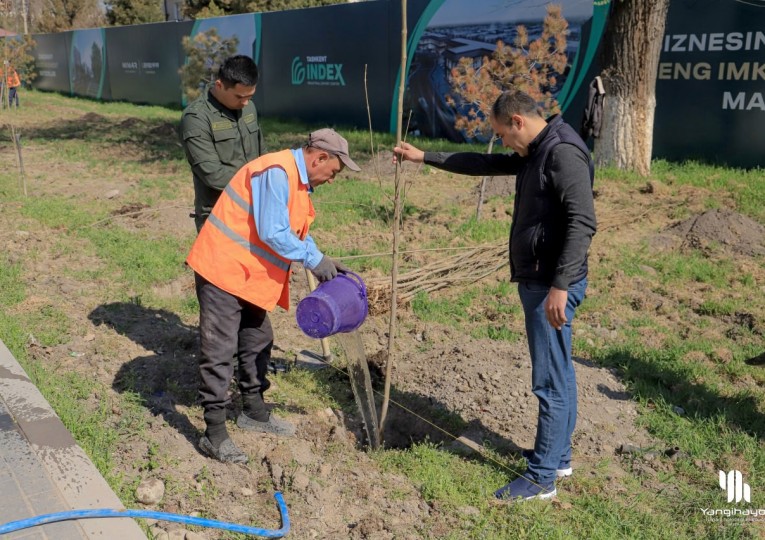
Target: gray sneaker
273	425
227	452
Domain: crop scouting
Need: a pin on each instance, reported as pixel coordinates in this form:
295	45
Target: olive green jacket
218	142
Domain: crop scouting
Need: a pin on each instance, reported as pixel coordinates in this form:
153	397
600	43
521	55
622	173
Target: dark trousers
13	95
230	326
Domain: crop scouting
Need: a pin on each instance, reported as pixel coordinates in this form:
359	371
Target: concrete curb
43	470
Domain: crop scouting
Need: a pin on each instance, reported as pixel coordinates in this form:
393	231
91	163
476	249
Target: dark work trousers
227	326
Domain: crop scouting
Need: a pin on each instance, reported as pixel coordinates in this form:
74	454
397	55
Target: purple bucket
337	305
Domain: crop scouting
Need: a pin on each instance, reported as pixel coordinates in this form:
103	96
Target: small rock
276	474
300	481
150	491
159	534
678	410
89	337
177	534
194	536
247	492
112	193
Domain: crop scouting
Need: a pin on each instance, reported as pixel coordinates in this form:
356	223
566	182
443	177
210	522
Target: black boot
255	417
216	443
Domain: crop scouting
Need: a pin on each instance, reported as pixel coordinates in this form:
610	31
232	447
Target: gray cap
331	141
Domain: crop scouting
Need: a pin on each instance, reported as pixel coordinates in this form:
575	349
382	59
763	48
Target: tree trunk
630	59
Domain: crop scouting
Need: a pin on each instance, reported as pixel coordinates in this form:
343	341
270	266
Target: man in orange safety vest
241	261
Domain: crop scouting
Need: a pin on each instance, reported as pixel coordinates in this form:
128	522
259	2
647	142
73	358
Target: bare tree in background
630	58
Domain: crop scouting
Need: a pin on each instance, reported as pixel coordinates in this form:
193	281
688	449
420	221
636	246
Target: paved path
43	470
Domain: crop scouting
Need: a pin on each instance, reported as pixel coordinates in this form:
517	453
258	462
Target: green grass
10	277
485	231
696	360
452	312
745	186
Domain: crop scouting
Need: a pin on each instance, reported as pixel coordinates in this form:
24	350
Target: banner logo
736	488
316	71
298	71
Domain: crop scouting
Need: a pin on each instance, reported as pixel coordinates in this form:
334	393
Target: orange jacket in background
13	79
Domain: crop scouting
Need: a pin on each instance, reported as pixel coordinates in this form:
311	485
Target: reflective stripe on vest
252	248
228	251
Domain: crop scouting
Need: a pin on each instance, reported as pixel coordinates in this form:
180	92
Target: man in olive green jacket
220	132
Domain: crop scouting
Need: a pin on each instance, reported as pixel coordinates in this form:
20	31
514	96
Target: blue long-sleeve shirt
270	193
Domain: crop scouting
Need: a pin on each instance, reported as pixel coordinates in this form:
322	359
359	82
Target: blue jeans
553	379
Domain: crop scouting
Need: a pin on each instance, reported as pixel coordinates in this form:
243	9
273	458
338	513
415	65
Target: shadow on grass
157	140
165	378
415	418
168	377
665	379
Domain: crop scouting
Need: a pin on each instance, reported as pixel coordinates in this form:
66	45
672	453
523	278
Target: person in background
220	132
242	261
13	82
553	225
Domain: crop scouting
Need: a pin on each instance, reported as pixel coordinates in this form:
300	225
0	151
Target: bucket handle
360	282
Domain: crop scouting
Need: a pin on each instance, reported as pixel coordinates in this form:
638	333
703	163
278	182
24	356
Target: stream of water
361	383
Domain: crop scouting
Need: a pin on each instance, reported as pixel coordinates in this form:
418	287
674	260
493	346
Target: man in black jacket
553	225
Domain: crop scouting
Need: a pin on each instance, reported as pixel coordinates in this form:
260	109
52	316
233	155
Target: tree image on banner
205	52
530	66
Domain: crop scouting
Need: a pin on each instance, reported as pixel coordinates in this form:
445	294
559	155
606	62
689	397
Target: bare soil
332	486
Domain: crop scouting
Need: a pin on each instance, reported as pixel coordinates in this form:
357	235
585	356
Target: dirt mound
721	227
496	405
131	122
93	118
165	129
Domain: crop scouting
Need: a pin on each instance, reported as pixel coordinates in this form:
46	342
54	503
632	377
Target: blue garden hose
14	526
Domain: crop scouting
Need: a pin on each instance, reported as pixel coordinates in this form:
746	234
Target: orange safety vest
228	251
13	79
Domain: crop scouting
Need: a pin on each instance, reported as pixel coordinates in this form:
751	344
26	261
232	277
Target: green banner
710	89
